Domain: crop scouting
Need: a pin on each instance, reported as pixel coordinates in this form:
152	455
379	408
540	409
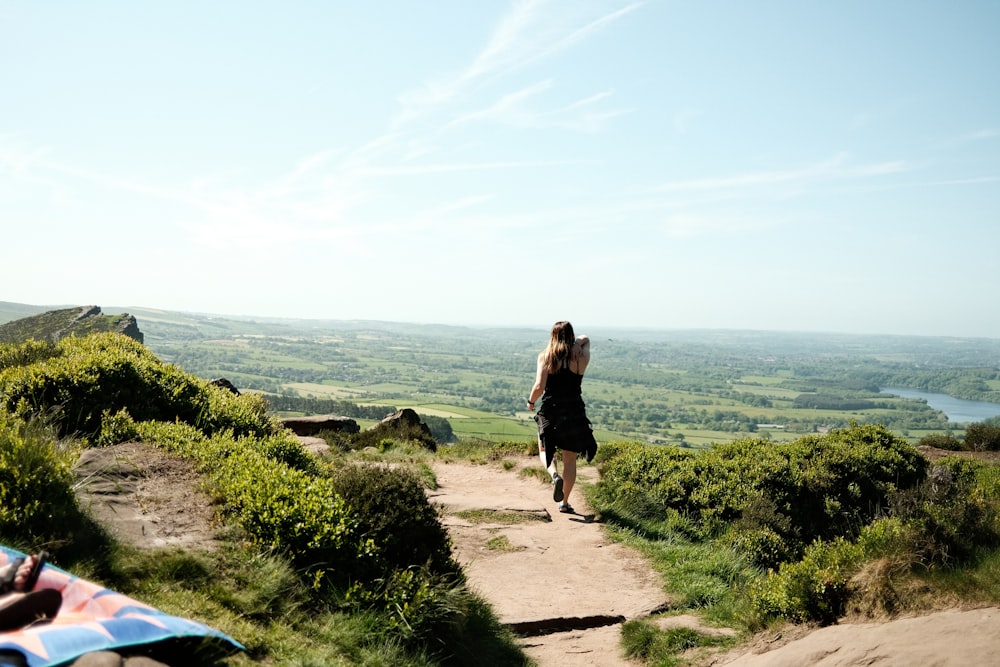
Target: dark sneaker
557	491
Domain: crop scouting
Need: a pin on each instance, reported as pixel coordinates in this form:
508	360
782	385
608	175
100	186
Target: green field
684	388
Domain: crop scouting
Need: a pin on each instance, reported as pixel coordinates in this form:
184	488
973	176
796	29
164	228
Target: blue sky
784	165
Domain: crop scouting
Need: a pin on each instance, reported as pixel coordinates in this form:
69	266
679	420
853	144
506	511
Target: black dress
562	418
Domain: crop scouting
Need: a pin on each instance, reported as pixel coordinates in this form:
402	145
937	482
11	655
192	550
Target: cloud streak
828	170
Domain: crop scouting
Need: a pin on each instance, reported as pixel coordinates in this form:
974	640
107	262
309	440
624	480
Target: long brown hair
560	346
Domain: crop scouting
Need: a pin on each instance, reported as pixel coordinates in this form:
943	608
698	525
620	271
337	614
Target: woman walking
562	416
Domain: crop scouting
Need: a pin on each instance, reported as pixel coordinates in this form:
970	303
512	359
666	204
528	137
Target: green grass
259	600
645	642
504	517
502	544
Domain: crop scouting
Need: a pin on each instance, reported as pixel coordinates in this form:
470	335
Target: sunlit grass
503	517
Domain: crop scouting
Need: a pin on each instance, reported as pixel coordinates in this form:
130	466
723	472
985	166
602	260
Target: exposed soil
555	578
953	638
145	496
933	454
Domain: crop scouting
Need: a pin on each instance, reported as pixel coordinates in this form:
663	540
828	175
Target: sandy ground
559	581
146	496
553	577
944	639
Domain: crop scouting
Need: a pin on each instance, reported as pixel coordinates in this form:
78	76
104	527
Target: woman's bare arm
541	377
581	353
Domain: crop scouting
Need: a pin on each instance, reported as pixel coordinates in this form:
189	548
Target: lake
958	410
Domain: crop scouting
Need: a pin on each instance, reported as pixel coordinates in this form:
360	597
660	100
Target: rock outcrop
55	325
223	383
315	424
406	422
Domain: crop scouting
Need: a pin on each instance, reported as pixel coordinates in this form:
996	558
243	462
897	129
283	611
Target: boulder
315	446
314	424
403	418
406	421
223	383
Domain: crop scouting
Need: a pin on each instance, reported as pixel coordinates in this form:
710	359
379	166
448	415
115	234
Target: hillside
55	325
851	524
685	388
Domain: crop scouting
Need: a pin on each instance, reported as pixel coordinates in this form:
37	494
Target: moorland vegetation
337	561
325	563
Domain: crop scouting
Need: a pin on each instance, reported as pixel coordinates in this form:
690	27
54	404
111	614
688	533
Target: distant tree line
328	406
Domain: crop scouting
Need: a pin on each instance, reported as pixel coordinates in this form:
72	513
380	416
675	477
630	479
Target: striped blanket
94	618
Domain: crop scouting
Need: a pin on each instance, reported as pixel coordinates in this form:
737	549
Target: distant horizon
583	328
780	166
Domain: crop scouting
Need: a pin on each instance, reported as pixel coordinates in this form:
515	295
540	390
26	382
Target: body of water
958	410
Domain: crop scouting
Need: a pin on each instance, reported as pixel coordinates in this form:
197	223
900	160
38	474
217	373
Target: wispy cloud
324	196
533	31
515	109
441	168
836	168
690	225
978	135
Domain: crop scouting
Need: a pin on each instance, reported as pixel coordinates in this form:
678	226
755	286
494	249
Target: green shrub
953	514
116	428
392	510
983	437
283	508
243	414
83	379
289	511
98	374
24	354
284	449
783	495
761	545
813	589
941	441
36	496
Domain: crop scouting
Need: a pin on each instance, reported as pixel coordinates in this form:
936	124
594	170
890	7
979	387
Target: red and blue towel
94	618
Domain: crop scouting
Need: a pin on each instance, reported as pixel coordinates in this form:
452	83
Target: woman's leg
569	474
551	468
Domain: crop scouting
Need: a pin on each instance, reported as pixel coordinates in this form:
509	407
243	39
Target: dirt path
566	589
553	577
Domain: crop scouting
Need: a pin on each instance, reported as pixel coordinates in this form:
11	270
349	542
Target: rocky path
566	589
552	577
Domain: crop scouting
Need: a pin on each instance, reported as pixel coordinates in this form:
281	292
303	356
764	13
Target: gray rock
312	425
